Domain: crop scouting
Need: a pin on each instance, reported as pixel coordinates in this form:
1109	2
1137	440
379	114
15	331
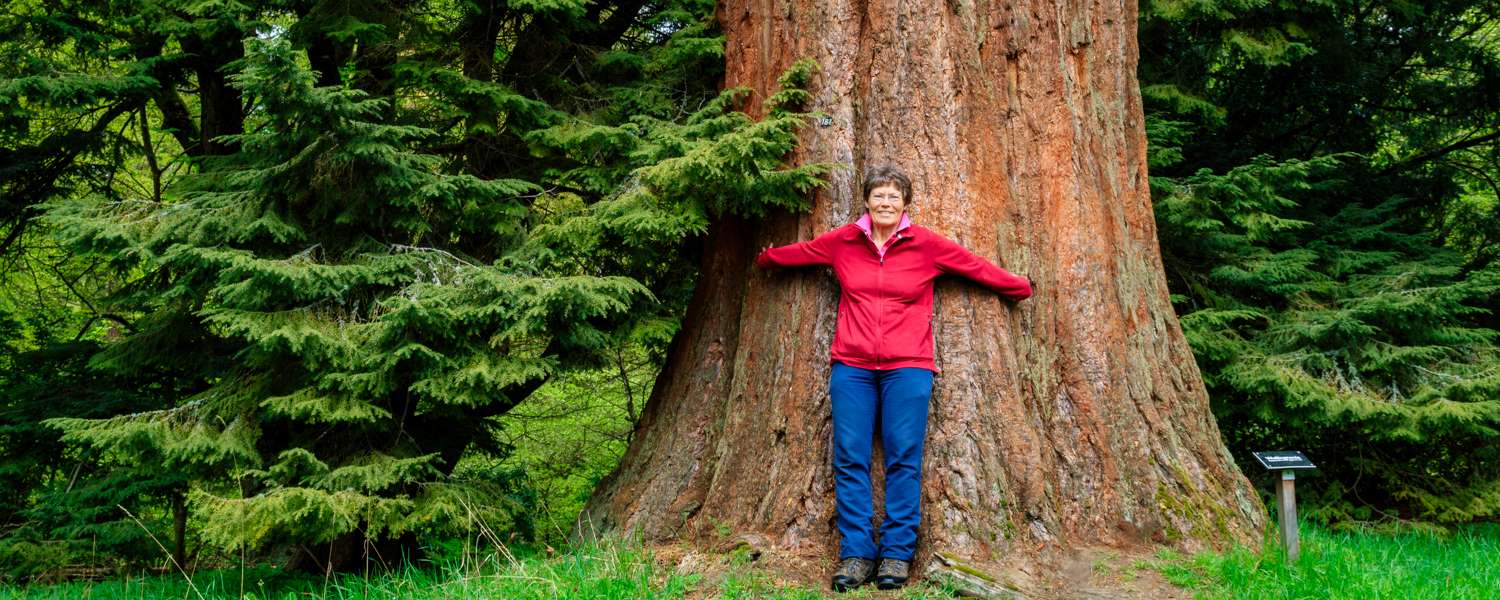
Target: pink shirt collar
864	222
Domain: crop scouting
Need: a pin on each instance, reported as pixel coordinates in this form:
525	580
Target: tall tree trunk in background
1071	420
222	112
179	528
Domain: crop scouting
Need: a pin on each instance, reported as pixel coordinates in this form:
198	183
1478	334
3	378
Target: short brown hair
887	175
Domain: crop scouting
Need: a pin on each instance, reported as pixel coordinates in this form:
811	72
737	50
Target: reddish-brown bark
1076	418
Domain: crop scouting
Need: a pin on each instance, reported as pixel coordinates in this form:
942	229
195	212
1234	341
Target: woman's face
886	205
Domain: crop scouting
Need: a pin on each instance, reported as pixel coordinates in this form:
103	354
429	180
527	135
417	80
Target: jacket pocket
908	333
855	335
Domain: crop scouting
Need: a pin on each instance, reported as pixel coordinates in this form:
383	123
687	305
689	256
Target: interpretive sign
1283	459
1287	462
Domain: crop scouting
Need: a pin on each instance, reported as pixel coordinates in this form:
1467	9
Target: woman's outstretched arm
955	259
815	252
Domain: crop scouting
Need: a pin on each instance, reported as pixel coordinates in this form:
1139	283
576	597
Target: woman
882	365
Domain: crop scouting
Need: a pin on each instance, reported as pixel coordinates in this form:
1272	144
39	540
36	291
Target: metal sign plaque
1283	459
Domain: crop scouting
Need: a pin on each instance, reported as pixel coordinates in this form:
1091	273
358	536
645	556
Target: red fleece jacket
885	302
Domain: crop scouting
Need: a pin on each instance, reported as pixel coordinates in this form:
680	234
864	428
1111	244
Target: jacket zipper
879	305
880	292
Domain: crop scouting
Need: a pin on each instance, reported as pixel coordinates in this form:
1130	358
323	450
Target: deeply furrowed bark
1075	418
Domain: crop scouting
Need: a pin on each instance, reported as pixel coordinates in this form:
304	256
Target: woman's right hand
755	260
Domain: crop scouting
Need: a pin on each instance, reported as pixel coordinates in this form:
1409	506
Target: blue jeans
897	400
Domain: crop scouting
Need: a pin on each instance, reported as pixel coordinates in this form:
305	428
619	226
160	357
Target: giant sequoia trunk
1076	418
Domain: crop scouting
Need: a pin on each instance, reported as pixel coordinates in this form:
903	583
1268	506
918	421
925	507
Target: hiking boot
852	573
892	573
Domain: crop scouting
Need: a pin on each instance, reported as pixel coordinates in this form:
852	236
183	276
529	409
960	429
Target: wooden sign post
1287	462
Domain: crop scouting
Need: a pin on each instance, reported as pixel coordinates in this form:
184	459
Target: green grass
595	572
1362	565
1365	565
614	571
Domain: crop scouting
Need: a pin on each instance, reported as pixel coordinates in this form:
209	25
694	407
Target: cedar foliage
57	513
358	286
1325	242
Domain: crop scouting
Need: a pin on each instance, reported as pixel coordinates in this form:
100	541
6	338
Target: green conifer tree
326	278
1314	169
